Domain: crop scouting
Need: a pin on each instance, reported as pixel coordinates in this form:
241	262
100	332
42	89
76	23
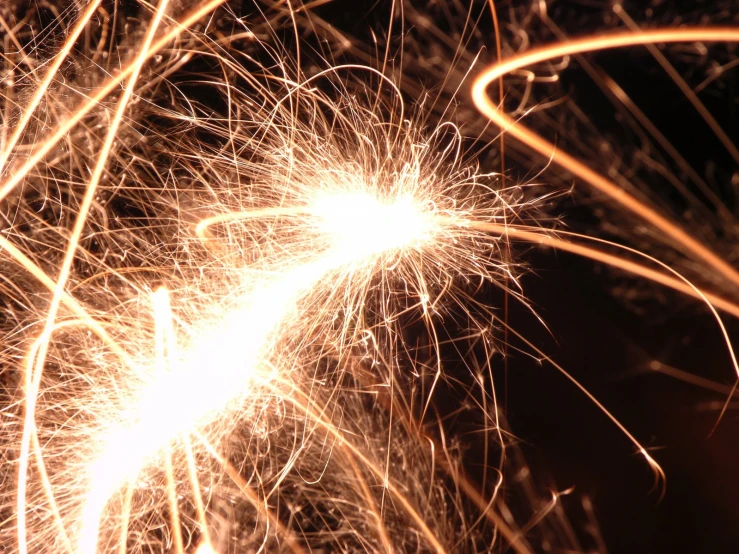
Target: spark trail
233	351
294	237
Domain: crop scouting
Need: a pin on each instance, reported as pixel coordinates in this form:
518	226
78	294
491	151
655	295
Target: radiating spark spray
176	400
211	364
165	399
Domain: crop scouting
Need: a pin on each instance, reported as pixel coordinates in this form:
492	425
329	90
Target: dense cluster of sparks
236	329
259	261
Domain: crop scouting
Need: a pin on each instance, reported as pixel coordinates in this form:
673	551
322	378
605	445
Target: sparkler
256	283
298	216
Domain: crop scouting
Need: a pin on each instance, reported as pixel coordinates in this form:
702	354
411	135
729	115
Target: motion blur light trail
276	266
549	150
175	400
222	353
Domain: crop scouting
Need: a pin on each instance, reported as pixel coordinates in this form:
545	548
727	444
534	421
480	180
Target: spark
233	349
298	237
360	225
547	149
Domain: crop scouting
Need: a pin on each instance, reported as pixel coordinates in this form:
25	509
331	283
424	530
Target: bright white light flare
189	388
361	225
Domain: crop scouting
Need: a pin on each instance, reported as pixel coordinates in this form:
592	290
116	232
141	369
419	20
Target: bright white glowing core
360	225
188	386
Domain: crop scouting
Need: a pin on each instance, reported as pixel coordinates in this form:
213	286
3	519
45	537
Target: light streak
301	239
234	349
36	364
547	149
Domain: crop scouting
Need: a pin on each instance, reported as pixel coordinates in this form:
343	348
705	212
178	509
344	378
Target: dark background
607	342
608	349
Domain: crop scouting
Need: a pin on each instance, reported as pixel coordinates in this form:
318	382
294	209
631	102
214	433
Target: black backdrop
608	345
